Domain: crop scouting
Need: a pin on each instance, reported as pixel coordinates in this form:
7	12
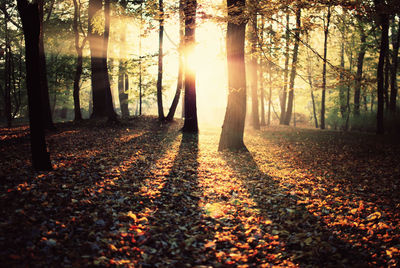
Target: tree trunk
395	65
29	13
160	61
360	63
285	74
342	93
255	117
47	118
233	127
261	74
288	113
78	71
384	23
98	44
179	86
123	78
386	78
190	124
7	74
326	33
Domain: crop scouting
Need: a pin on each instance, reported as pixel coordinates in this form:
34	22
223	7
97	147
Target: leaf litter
143	194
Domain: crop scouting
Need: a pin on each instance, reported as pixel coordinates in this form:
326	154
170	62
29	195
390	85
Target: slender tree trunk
326	33
160	61
360	63
395	65
47	119
233	127
261	74
269	96
384	23
78	71
29	13
7	73
288	113
342	94
123	78
190	124
285	74
386	78
255	117
179	86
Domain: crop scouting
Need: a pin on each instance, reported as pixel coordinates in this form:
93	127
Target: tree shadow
178	229
307	241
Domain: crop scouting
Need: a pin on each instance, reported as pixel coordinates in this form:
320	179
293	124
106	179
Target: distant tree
233	126
160	60
293	71
360	64
253	66
47	118
190	123
79	51
181	68
123	76
30	17
326	34
395	64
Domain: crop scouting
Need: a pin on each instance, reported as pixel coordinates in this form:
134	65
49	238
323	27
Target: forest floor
144	195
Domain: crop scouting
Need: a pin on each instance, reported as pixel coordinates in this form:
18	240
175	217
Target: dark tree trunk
78	71
29	13
384	23
386	78
395	65
190	124
7	74
179	86
342	89
326	33
288	113
160	61
360	63
102	99
255	117
285	74
47	118
233	127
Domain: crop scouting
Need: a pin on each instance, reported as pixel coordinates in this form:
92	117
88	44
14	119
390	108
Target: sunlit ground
143	195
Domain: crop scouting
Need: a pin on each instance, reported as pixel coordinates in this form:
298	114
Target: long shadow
178	229
307	240
78	217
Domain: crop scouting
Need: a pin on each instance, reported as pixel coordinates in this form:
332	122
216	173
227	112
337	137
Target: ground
141	194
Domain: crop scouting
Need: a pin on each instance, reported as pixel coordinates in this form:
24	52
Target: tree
233	126
383	21
395	65
98	44
285	73
47	118
190	124
180	81
326	33
160	60
289	110
255	118
29	13
79	52
360	63
123	77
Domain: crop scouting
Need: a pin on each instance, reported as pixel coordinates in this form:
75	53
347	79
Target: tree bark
123	78
233	127
179	85
360	63
29	13
289	110
285	74
255	117
395	65
384	23
160	61
78	71
342	94
190	124
47	118
326	33
261	75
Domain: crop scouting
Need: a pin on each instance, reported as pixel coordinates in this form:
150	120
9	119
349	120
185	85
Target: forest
199	133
